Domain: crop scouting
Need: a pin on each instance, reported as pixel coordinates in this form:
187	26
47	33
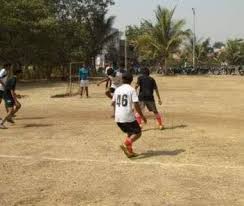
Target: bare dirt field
65	151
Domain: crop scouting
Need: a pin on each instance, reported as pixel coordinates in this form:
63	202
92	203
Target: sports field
65	151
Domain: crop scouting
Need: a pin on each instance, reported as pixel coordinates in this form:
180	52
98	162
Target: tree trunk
93	66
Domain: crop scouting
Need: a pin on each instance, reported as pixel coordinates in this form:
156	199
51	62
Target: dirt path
66	151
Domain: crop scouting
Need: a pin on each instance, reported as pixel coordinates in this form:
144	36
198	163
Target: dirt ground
65	151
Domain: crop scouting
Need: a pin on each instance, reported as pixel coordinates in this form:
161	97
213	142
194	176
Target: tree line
167	43
45	35
48	34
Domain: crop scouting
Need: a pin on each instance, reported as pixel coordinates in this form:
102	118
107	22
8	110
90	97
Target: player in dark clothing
147	87
10	99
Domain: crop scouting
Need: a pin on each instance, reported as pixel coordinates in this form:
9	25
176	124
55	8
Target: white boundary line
117	162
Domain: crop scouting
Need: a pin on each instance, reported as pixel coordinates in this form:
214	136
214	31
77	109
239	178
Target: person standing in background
84	80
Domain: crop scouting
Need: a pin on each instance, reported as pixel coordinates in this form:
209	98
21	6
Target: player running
10	99
3	79
116	80
147	87
124	100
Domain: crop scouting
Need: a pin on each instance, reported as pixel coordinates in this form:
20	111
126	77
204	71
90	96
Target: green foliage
159	41
234	51
49	33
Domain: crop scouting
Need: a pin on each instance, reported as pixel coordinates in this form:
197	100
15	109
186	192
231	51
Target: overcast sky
217	19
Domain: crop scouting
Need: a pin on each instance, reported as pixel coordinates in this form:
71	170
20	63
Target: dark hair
18	71
110	71
122	65
7	65
146	71
127	78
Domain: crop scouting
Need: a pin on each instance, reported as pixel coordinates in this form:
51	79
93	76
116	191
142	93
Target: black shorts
111	90
130	128
1	94
151	106
9	101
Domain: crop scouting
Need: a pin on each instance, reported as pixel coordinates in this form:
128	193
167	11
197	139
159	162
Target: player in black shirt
147	87
10	99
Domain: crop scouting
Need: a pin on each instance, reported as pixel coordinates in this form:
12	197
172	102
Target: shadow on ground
29	118
37	125
149	154
166	128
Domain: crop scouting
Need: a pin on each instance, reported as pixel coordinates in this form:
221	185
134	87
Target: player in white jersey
124	100
3	79
116	80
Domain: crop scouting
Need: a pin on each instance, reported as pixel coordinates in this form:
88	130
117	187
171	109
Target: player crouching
124	99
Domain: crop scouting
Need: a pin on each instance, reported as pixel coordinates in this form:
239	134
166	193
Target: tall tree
163	39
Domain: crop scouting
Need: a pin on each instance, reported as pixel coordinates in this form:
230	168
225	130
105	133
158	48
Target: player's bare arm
102	81
158	95
14	95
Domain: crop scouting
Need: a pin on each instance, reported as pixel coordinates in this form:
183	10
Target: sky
217	19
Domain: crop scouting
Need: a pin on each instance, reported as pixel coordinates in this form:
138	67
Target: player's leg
133	131
81	87
86	88
87	94
17	107
9	102
151	106
138	117
81	91
0	102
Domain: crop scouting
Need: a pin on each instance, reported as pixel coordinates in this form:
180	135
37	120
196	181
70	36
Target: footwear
161	127
2	126
127	153
10	120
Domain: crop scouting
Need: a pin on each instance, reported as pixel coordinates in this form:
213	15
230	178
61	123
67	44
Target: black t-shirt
147	86
10	85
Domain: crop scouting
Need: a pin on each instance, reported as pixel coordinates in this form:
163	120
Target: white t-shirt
3	78
124	97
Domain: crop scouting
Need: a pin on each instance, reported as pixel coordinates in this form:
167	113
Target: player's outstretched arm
138	110
102	81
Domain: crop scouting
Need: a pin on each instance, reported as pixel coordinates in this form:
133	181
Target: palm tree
203	50
163	39
234	52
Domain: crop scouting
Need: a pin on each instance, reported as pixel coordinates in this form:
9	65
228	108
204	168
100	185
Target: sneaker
2	126
127	153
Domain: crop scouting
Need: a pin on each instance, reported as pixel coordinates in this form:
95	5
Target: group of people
7	93
129	104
